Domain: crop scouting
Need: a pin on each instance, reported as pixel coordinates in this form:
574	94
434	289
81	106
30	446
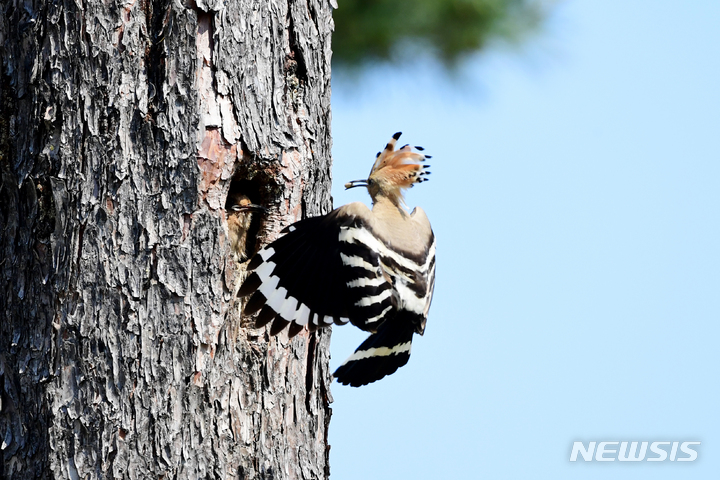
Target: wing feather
301	277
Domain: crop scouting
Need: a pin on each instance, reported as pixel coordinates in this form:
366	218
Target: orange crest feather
402	168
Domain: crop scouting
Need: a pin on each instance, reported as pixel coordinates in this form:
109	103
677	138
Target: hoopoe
372	268
239	218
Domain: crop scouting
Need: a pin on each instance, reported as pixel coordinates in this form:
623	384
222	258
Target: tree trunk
122	129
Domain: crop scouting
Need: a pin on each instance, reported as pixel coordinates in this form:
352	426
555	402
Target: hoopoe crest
372	268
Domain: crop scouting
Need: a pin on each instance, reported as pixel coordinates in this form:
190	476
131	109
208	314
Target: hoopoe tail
381	354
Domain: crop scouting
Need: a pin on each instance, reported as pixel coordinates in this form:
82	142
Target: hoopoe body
372	268
239	216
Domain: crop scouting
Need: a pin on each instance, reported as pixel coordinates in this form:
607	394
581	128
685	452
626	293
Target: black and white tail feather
374	269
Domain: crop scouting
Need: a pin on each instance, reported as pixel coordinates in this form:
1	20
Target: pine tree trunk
123	126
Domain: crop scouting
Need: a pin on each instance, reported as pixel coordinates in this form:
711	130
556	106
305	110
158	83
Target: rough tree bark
123	126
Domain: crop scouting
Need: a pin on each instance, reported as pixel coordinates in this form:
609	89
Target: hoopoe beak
356	183
250	207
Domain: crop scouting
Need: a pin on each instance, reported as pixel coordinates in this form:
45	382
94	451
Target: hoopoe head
242	208
394	171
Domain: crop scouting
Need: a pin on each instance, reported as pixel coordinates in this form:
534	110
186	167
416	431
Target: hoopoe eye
371	182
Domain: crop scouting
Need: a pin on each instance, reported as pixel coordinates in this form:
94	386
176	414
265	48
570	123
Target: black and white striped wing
412	275
309	276
383	352
414	284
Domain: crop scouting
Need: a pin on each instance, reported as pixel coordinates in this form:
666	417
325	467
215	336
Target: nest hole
259	182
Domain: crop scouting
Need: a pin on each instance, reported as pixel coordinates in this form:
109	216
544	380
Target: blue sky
575	198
